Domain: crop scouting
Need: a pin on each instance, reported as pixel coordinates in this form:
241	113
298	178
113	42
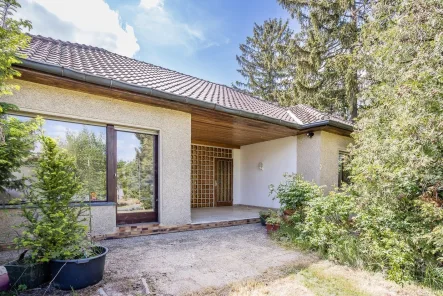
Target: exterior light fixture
260	166
310	134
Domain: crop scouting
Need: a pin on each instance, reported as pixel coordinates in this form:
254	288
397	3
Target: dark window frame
343	175
111	157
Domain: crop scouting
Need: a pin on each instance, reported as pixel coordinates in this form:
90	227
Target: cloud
90	22
160	27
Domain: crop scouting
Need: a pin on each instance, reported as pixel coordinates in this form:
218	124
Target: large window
86	143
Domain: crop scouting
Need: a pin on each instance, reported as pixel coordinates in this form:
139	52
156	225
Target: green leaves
54	228
11	41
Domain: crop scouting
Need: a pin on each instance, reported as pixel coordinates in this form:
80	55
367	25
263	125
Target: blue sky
196	37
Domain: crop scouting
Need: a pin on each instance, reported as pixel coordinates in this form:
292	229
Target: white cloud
90	22
149	4
159	27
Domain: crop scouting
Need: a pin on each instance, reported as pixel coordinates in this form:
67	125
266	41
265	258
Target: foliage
265	213
274	218
136	177
15	148
54	228
11	41
325	53
262	62
294	192
89	152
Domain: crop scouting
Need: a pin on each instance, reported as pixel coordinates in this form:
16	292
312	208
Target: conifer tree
328	74
262	61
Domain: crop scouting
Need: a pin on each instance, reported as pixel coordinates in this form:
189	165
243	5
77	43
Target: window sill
93	204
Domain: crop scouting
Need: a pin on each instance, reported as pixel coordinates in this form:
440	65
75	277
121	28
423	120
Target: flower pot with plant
20	137
56	222
264	214
273	222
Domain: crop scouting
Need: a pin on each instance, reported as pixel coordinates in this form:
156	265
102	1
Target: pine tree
54	228
11	40
328	74
262	62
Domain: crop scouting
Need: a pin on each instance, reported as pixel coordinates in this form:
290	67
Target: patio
221	214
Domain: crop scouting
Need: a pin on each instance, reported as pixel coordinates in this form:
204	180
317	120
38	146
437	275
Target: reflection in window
343	174
87	144
135	172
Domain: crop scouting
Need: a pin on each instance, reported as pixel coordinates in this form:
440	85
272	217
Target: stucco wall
331	144
278	157
317	157
103	221
174	129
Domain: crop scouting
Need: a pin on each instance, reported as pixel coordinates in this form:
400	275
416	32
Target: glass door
137	200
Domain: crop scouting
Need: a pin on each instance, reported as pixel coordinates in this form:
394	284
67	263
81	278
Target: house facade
153	144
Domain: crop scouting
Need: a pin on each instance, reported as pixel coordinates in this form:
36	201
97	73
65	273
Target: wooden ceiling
208	127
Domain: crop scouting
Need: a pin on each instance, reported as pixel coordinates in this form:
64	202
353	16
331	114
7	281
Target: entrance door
223	182
137	194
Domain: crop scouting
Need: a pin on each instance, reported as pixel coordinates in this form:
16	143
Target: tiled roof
100	62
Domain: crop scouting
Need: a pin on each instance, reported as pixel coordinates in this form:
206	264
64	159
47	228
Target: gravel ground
180	263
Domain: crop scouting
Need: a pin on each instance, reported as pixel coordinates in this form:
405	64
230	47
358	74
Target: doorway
223	183
137	189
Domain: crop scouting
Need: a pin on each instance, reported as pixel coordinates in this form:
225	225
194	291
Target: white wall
251	185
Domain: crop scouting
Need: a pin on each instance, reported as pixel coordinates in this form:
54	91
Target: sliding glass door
136	177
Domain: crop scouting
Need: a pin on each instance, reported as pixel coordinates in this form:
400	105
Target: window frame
341	179
111	152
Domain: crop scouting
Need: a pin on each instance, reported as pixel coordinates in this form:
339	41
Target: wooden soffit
208	127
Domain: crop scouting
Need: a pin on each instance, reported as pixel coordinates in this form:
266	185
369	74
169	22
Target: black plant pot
263	221
80	273
30	275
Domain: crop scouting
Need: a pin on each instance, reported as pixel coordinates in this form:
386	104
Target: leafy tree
263	61
329	76
15	148
54	228
89	152
396	161
11	40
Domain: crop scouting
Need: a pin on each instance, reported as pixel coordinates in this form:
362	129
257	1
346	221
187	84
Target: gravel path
179	263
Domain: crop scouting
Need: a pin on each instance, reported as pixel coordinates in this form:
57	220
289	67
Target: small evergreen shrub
54	228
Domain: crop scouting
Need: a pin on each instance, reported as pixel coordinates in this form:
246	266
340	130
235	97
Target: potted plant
264	214
273	222
56	226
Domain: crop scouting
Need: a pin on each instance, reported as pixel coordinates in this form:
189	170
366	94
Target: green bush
54	228
294	192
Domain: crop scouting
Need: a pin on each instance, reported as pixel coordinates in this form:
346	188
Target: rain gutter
114	84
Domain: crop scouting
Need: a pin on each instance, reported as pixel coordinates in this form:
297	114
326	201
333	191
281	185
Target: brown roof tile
100	62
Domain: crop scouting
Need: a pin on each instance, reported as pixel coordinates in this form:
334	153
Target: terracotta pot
272	227
288	212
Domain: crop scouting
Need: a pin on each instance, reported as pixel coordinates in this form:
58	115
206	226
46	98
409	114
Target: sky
195	37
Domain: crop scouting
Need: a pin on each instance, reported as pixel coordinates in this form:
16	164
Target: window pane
87	144
135	172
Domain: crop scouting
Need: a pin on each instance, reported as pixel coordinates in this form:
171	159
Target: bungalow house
160	150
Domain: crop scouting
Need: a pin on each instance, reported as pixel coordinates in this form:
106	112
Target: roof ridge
160	67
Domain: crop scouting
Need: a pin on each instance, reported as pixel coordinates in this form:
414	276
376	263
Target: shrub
294	192
54	228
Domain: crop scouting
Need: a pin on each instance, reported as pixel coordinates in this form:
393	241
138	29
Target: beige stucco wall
174	128
317	157
102	217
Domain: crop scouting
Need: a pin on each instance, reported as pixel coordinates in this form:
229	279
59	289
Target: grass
316	278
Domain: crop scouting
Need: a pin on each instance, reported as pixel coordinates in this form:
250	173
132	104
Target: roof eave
106	82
